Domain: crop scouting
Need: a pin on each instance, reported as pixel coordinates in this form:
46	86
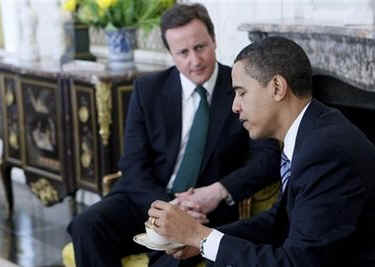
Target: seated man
180	134
325	216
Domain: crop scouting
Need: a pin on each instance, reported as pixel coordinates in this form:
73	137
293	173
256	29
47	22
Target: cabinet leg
73	204
7	182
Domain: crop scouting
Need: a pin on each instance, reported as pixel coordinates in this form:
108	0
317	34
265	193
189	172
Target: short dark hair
277	55
181	14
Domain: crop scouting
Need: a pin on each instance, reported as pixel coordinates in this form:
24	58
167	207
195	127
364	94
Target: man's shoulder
158	77
224	67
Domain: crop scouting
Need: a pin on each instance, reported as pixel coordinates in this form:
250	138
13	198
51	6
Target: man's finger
160	204
190	205
172	251
198	216
190	191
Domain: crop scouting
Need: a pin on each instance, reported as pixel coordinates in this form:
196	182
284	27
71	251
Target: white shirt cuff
211	246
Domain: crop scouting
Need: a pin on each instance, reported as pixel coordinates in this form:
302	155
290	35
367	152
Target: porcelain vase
121	44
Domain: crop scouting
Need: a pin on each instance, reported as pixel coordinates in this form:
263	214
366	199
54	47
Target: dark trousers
103	234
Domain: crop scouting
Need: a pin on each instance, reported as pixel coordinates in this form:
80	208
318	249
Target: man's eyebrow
235	88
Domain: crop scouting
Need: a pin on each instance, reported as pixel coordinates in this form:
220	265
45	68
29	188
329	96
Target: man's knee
83	224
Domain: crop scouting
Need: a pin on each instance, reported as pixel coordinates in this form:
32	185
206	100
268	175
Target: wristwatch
201	246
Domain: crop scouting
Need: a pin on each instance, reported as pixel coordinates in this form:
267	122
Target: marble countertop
81	70
343	51
366	31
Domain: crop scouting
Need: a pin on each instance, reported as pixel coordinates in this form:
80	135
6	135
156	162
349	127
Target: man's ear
279	86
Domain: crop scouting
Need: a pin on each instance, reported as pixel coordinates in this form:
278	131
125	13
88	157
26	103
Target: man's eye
183	53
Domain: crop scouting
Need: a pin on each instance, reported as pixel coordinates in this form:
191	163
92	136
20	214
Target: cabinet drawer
85	137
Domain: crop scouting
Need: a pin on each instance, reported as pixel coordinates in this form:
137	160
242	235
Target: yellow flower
104	4
167	3
70	5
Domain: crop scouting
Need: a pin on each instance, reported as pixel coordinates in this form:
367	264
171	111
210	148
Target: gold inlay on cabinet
13	140
9	98
86	156
104	106
83	114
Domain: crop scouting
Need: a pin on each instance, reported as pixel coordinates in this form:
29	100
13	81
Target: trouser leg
103	234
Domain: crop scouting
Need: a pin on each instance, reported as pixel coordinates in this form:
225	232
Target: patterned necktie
284	171
188	172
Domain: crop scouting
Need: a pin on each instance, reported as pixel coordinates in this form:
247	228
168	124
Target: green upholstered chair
261	201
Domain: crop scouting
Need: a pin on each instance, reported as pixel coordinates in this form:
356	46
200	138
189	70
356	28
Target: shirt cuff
229	200
211	246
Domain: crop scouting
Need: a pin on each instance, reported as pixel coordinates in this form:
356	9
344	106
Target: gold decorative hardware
9	98
45	191
104	106
13	140
86	159
86	155
83	114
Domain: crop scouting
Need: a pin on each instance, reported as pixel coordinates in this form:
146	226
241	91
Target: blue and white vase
121	44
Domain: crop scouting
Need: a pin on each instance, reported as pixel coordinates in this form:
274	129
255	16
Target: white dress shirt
190	103
211	246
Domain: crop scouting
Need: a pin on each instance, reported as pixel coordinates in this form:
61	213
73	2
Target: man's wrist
210	245
202	234
224	194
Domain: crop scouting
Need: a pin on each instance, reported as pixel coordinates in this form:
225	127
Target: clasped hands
198	202
182	219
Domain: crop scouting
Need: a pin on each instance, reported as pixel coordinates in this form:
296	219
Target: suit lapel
221	108
171	107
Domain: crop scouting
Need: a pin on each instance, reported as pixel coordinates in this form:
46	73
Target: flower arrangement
115	14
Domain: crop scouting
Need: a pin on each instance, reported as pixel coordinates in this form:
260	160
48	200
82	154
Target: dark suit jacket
152	141
326	217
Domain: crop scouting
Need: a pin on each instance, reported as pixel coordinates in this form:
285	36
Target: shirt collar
188	86
291	135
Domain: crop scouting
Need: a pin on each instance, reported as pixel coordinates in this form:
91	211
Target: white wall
228	15
10	25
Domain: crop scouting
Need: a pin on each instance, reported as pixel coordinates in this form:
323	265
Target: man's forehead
238	70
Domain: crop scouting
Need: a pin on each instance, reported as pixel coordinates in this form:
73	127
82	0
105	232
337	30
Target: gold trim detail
13	140
45	191
83	114
86	156
104	106
9	98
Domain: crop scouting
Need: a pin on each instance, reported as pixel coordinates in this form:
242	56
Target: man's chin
253	135
199	78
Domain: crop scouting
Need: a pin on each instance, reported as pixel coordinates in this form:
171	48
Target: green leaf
125	13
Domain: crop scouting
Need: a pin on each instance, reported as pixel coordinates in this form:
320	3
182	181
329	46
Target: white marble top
366	31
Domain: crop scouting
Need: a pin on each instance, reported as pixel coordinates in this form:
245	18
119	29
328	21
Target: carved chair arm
109	180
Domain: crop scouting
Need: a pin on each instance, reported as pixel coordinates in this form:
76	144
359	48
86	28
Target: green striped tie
188	172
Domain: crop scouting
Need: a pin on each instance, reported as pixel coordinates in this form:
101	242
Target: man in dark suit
325	216
161	118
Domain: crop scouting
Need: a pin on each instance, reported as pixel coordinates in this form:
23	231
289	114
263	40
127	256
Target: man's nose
236	105
195	59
